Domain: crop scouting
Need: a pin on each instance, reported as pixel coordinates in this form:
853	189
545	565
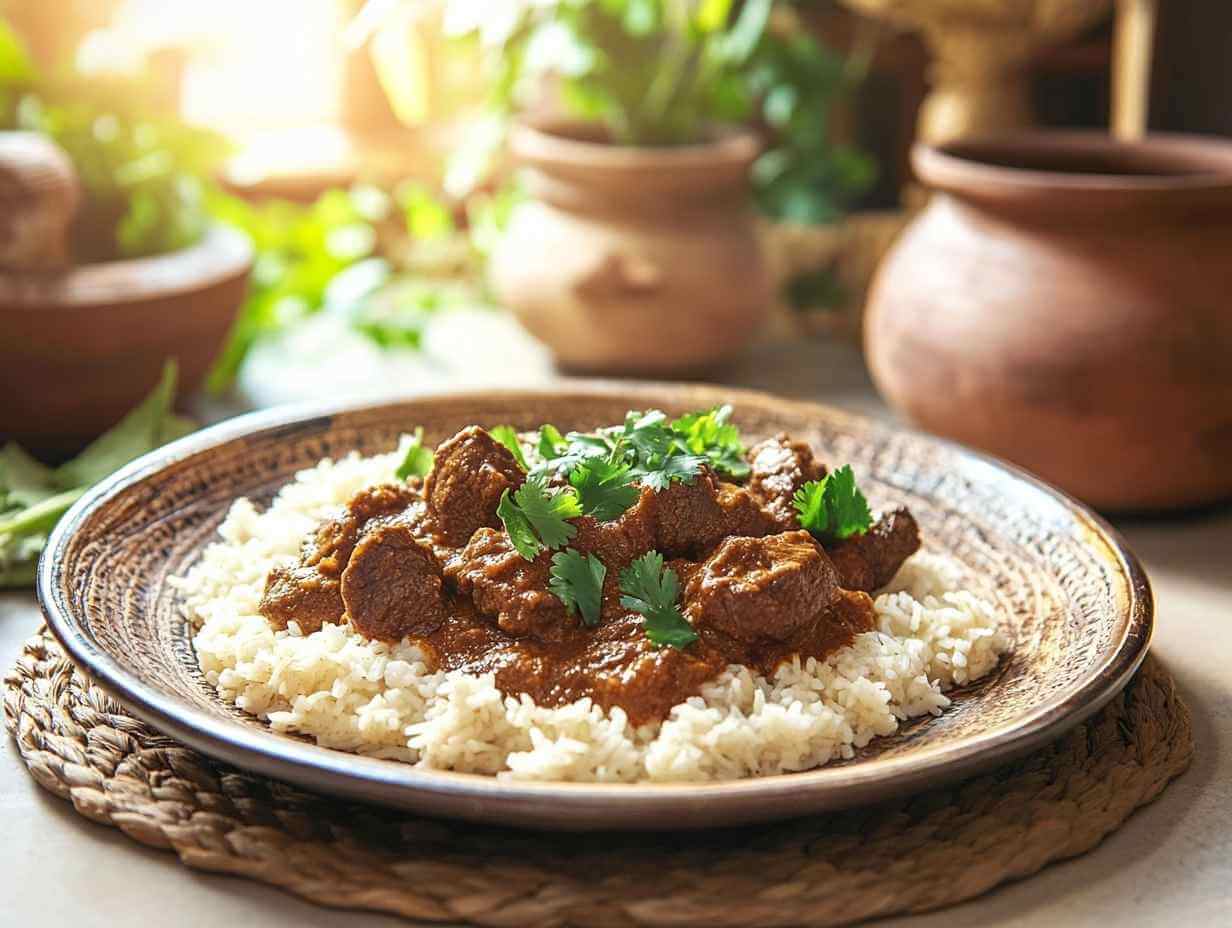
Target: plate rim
622	806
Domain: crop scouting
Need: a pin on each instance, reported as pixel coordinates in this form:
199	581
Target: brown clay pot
79	348
1063	302
634	260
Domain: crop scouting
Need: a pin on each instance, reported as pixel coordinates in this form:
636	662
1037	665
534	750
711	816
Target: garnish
605	489
536	516
652	590
711	434
653	450
417	460
551	443
577	581
507	436
833	508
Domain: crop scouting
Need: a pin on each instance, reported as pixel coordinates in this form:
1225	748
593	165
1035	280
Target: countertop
1170	865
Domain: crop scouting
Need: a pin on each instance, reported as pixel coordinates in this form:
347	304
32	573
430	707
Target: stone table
1170	865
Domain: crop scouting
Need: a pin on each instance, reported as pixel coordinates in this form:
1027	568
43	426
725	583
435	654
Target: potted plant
649	130
124	269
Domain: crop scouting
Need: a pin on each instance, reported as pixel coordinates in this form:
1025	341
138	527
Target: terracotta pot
78	349
634	260
1063	302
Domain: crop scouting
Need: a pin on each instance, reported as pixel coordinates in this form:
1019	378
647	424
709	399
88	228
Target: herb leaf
652	590
507	436
711	434
536	516
417	460
578	582
833	508
605	489
551	444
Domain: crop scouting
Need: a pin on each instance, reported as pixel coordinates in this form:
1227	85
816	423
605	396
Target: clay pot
1062	302
634	260
80	348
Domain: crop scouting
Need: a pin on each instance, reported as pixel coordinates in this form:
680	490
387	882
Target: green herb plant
666	72
34	496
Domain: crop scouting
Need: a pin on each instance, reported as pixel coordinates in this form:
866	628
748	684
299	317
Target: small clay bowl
1075	602
81	347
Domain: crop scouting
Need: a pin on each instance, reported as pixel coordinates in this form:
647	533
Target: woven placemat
924	852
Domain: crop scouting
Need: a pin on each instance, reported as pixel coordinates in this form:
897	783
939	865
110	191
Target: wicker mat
923	852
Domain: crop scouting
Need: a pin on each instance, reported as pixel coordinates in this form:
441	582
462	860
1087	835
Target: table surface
1170	865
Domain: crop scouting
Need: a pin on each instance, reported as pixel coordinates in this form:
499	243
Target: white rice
378	699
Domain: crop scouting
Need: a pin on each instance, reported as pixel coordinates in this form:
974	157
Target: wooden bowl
1075	601
78	349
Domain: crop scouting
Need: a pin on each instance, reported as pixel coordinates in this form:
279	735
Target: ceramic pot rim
547	143
1159	169
221	255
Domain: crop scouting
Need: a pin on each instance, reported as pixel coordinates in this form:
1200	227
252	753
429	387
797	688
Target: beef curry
440	559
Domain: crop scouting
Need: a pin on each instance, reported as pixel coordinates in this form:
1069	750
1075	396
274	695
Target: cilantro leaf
652	590
711	434
833	508
506	435
417	459
679	467
536	516
551	443
578	582
605	489
521	533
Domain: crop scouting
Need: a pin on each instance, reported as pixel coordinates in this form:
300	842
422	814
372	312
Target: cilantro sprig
417	460
577	580
711	434
508	436
833	508
536	516
605	489
653	590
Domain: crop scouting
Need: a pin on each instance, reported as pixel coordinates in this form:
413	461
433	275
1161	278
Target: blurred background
306	199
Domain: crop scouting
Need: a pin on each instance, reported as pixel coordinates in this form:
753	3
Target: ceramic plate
1075	601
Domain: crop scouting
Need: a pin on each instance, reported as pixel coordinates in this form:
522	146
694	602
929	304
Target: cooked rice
378	699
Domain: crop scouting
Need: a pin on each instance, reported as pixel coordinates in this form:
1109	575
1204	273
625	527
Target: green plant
663	72
144	179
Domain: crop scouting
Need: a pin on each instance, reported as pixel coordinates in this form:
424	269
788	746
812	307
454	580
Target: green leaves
712	435
833	508
654	452
653	590
536	516
33	496
605	489
507	436
417	461
577	581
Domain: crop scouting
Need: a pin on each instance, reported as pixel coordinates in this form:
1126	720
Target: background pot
634	260
79	348
1063	302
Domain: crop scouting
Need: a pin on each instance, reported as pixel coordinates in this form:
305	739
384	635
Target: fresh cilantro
578	582
679	467
833	508
551	443
506	435
653	450
416	460
536	516
605	489
652	590
711	434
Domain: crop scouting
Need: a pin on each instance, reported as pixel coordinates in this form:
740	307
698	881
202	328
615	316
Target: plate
1076	603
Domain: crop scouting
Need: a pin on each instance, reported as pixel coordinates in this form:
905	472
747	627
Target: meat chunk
688	518
391	587
303	595
310	593
618	542
778	468
757	588
507	587
870	561
743	514
469	474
